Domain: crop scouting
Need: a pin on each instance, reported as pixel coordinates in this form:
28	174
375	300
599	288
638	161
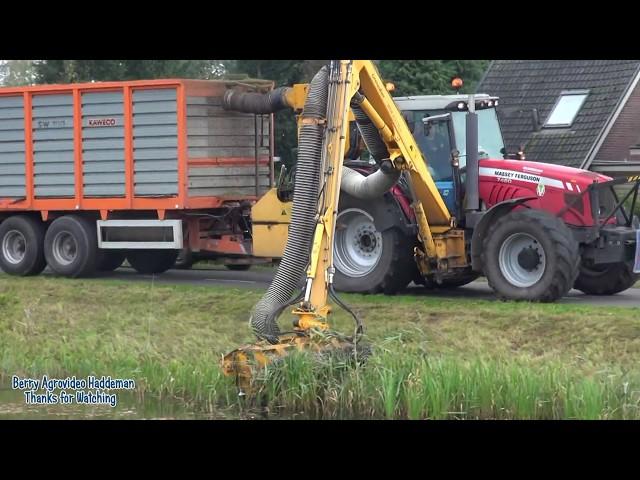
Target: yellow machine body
270	218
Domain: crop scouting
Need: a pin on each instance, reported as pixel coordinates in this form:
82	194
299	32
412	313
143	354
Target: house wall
624	133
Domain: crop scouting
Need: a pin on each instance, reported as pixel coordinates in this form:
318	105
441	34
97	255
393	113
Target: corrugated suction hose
258	103
371	187
370	134
376	184
305	200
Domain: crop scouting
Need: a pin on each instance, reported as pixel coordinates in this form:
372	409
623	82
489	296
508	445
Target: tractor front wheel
530	255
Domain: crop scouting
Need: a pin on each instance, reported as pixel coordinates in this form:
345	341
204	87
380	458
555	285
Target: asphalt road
261	277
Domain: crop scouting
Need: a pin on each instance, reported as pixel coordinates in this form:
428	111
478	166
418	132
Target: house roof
523	85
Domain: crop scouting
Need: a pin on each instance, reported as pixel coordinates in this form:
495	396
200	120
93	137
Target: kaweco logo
102	122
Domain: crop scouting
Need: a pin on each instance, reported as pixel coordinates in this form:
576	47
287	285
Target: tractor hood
562	177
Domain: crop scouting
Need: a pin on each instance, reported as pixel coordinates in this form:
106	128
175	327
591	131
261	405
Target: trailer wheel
110	260
530	255
22	246
185	259
238	267
366	260
71	246
152	261
606	280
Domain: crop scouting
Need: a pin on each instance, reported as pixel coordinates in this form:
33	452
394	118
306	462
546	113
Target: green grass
433	357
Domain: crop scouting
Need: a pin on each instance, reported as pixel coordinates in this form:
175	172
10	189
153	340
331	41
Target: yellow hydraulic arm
360	82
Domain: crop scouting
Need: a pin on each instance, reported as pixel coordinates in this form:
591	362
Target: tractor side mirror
455	158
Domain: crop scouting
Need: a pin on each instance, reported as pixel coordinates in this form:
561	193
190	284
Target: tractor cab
438	123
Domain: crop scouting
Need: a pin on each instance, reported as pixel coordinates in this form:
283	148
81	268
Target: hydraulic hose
305	198
258	103
368	188
370	134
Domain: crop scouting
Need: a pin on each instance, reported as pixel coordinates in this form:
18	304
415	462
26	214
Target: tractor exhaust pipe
472	185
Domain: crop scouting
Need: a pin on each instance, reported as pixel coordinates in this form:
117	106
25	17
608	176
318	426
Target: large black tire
549	259
185	260
22	246
110	260
71	246
238	267
606	280
395	268
152	261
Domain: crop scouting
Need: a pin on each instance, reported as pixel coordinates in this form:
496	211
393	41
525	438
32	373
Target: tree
14	73
431	77
69	71
411	77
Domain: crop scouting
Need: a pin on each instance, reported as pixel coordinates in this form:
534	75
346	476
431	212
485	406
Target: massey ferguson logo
102	122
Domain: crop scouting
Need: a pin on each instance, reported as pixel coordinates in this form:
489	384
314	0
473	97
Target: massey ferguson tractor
533	229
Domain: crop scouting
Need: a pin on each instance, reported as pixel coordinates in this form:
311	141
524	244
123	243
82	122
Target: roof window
566	108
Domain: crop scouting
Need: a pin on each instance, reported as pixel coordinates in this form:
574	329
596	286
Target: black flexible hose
303	222
370	134
258	103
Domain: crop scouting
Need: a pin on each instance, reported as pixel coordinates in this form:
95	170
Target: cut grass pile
433	357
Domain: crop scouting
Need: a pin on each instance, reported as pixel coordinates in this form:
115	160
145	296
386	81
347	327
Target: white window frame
565	93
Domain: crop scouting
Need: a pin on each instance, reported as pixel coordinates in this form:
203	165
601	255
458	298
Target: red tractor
535	230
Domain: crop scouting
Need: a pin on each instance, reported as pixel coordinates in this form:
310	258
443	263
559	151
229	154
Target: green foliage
14	73
411	77
69	71
431	77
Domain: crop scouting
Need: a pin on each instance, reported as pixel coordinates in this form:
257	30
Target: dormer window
566	108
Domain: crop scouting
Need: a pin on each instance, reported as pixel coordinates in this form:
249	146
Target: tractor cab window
490	142
434	140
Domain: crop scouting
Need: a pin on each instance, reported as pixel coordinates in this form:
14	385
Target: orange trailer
93	173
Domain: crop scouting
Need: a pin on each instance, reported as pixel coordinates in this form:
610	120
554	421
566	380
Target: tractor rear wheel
606	280
366	260
530	255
